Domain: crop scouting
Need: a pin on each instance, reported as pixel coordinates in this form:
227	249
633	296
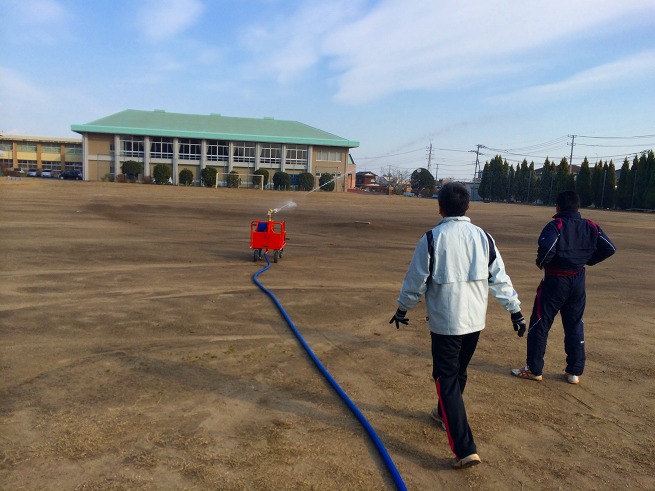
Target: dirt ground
137	352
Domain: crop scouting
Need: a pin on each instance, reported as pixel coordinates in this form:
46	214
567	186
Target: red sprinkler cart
265	235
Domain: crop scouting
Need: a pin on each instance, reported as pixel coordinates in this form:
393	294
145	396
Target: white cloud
639	67
160	20
15	87
432	45
290	44
34	22
39	11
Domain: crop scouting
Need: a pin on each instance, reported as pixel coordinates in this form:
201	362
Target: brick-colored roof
213	127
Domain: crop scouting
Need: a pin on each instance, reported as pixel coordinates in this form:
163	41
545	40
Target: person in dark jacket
566	245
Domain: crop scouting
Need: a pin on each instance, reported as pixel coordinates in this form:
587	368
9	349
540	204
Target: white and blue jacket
467	267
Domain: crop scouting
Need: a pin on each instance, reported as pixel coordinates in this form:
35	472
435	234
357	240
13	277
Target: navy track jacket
569	242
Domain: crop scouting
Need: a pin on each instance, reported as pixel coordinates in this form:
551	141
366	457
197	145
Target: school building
40	153
195	141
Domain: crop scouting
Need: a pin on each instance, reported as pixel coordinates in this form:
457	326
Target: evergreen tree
422	178
623	189
649	194
583	184
520	185
597	183
562	177
546	182
532	184
503	185
484	190
511	177
609	185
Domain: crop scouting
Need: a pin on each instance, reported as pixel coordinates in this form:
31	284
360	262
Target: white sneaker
572	379
466	462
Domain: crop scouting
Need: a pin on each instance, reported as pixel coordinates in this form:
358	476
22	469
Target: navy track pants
450	358
566	295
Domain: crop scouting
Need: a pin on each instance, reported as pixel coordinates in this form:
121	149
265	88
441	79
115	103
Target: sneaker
572	379
525	373
468	461
434	414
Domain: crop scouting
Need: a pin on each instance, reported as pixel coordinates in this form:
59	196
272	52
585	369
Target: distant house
368	181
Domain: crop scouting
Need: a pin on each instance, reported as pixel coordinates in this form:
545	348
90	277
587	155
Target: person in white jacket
455	266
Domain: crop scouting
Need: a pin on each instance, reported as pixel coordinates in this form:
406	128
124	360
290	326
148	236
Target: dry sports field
137	353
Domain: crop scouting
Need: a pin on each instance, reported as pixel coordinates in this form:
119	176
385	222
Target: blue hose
398	480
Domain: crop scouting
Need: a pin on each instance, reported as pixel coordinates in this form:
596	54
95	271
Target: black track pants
566	295
450	358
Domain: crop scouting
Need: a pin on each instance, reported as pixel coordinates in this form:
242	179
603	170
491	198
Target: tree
422	178
520	182
208	177
397	178
326	182
597	184
563	178
583	184
608	193
233	179
162	173
484	190
546	182
306	181
281	180
623	188
264	173
131	169
186	177
532	184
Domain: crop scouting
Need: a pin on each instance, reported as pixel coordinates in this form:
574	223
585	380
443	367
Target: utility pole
571	158
477	162
429	156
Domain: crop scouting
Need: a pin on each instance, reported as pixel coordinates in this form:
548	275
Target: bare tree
396	177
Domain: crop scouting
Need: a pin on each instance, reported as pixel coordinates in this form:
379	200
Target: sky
469	79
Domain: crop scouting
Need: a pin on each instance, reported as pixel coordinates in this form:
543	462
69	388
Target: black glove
519	323
399	318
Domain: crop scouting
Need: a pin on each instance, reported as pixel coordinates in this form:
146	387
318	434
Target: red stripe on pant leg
445	418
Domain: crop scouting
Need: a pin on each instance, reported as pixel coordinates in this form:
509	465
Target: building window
74	166
30	164
270	154
27	147
329	156
296	154
7	147
76	149
131	146
218	151
189	149
161	148
244	152
50	165
49	148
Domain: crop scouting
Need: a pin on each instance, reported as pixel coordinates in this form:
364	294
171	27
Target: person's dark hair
454	199
568	201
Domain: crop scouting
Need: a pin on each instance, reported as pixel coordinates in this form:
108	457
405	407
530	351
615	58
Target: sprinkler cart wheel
276	256
257	255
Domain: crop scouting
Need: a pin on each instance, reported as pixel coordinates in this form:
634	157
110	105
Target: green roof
212	127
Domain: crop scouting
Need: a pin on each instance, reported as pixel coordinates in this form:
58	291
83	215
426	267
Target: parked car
32	173
75	175
46	173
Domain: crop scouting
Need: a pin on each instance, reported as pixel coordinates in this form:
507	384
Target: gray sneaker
434	414
572	379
